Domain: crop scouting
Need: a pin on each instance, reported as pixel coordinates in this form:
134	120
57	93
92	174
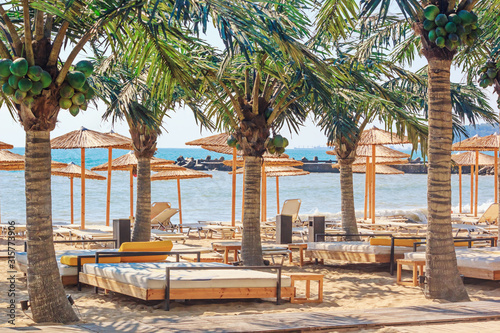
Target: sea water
210	198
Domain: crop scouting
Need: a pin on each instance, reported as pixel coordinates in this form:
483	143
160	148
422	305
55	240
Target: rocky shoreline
315	165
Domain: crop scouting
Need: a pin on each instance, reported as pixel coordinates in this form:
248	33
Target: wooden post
264	194
108	194
367	187
82	215
495	168
472	189
179	196
278	195
233	191
372	199
71	195
131	191
477	183
460	188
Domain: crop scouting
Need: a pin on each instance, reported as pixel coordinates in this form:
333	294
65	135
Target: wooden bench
418	269
307	277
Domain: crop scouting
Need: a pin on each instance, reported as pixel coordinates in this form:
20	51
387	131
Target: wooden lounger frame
169	293
357	257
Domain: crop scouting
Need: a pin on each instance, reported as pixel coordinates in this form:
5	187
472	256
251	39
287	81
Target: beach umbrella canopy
381	169
10	161
128	162
83	139
380	151
71	171
470	159
485	143
4	145
179	174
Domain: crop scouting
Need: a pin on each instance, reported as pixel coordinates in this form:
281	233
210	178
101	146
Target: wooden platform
354	257
478	316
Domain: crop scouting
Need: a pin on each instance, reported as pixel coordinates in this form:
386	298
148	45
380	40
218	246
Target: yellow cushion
386	241
163	246
463	244
72	260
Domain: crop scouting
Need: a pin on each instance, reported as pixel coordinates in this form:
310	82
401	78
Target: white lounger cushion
152	276
484	258
358	247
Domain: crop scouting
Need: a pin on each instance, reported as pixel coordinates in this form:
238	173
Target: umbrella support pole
472	189
477	183
372	199
367	187
233	190
131	192
82	216
71	196
108	193
264	194
278	195
180	206
460	189
495	168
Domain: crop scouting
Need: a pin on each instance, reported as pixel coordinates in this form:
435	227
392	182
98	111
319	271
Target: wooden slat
119	287
479	273
351	256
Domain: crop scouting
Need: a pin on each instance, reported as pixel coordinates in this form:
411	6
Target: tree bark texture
46	292
142	226
443	278
251	249
349	224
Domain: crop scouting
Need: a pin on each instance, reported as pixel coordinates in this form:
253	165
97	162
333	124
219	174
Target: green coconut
441	32
85	88
8	90
20	95
25	84
19	67
441	20
453	37
35	73
76	79
86	67
450	27
431	12
432	35
455	19
271	150
65	103
278	141
66	91
280	150
450	45
474	33
484	83
28	101
429	25
474	17
268	113
37	87
14	81
238	146
84	106
78	99
5	67
460	30
46	79
231	141
466	17
74	109
90	94
285	142
441	42
492	73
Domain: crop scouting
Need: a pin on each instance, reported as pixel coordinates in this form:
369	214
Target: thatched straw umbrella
470	158
128	162
376	137
218	143
179	174
4	145
381	169
268	160
383	155
71	171
476	143
279	171
85	138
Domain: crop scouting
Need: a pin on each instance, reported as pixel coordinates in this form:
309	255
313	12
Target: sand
346	286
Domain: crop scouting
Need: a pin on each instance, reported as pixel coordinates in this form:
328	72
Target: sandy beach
346	286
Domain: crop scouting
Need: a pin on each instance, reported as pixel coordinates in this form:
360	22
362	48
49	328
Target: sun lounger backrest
490	215
164	217
162	246
158	207
291	207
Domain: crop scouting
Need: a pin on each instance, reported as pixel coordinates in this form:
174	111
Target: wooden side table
307	277
301	247
418	267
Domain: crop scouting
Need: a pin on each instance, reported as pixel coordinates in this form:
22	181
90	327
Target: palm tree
442	276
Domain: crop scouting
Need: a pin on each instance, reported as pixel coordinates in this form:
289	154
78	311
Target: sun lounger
158	207
166	235
18	229
162	220
150	281
292	207
479	263
490	216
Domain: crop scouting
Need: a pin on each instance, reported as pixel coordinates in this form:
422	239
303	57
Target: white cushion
358	247
152	276
484	258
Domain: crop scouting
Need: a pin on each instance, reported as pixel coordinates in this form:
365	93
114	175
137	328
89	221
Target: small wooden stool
301	247
418	267
308	277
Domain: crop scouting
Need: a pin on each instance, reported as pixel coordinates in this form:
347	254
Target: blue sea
210	198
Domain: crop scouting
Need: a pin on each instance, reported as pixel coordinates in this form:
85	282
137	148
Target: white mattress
358	247
484	258
64	270
152	276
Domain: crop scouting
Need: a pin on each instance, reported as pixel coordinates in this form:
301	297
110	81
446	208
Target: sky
179	126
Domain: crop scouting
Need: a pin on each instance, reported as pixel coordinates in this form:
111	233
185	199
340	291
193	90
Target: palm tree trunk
142	226
46	292
443	278
251	249
347	198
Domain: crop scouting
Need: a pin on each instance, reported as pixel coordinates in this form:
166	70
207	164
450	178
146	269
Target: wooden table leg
320	291
226	256
398	274
235	255
301	253
415	271
308	289
290	256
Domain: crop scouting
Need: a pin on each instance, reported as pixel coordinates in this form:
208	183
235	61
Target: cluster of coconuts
277	144
76	91
22	82
488	73
452	29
